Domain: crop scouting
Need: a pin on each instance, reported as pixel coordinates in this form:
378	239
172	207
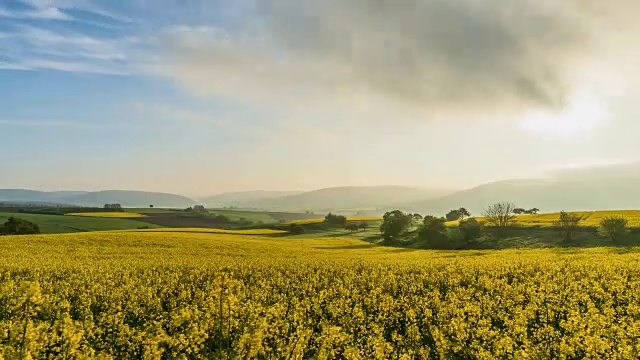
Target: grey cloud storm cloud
431	54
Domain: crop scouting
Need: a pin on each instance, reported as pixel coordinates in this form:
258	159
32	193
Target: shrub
352	227
296	229
567	223
433	231
613	227
18	226
470	230
338	220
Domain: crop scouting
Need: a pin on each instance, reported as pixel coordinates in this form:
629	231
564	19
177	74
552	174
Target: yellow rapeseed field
153	295
114	214
589	218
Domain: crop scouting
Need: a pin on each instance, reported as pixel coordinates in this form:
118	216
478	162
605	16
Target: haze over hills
610	187
96	198
241	198
348	197
547	195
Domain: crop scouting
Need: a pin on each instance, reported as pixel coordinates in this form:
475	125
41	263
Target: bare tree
499	214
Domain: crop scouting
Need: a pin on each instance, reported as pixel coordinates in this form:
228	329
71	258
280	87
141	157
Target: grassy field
589	218
219	231
57	224
121	214
321	220
197	295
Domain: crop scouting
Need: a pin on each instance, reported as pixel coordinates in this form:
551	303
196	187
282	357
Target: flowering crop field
153	295
589	218
115	214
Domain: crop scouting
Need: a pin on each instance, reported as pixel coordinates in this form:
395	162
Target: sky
202	97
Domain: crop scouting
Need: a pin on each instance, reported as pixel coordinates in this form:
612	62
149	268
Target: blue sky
201	97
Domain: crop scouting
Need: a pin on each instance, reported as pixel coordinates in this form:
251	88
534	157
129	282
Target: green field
57	224
117	295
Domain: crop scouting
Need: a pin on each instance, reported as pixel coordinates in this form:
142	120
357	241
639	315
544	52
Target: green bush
18	226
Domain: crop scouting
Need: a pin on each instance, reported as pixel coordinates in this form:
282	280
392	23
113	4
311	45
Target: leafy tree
363	225
519	211
471	229
151	206
296	229
464	213
453	215
417	216
18	226
113	206
189	209
533	211
433	230
613	227
338	220
394	223
221	219
499	214
199	209
352	227
567	223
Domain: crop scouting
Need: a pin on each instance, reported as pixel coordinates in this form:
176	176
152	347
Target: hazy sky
200	97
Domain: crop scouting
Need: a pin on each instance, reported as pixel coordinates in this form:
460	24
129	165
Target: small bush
613	227
18	226
296	229
470	230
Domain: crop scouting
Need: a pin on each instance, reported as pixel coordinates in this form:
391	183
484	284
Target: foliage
18	226
433	231
337	220
223	296
471	229
453	215
363	225
394	223
499	214
352	227
296	229
613	227
199	209
464	213
321	220
567	223
113	206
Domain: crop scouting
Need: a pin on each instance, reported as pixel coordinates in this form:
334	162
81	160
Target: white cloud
49	13
30	47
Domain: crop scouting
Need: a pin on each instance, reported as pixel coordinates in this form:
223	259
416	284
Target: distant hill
549	196
97	198
242	198
131	199
349	197
26	196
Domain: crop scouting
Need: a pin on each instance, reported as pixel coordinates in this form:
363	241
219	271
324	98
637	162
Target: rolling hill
547	195
96	198
243	198
131	199
347	198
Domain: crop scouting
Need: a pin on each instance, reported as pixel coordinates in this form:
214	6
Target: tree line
433	232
